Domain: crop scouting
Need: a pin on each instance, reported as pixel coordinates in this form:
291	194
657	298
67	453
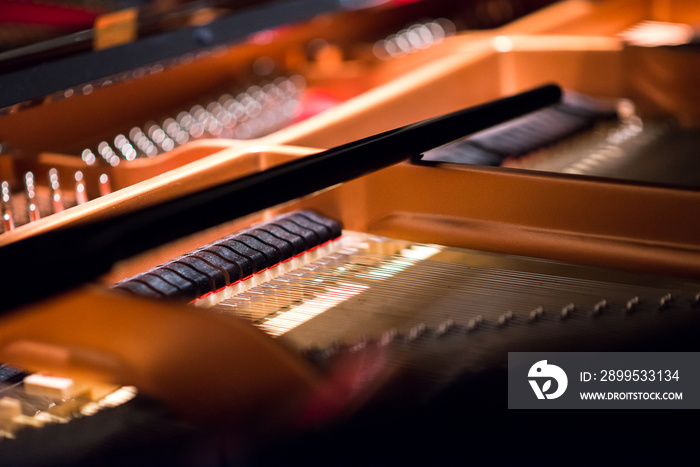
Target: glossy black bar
79	253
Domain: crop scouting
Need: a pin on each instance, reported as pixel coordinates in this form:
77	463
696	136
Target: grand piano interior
573	228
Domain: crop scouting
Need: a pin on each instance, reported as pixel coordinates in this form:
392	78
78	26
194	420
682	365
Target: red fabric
53	15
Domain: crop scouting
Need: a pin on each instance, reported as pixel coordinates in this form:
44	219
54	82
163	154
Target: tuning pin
56	193
7	220
224	119
32	208
145	146
175	131
89	157
210	124
80	191
189	124
125	147
105	187
160	137
108	153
